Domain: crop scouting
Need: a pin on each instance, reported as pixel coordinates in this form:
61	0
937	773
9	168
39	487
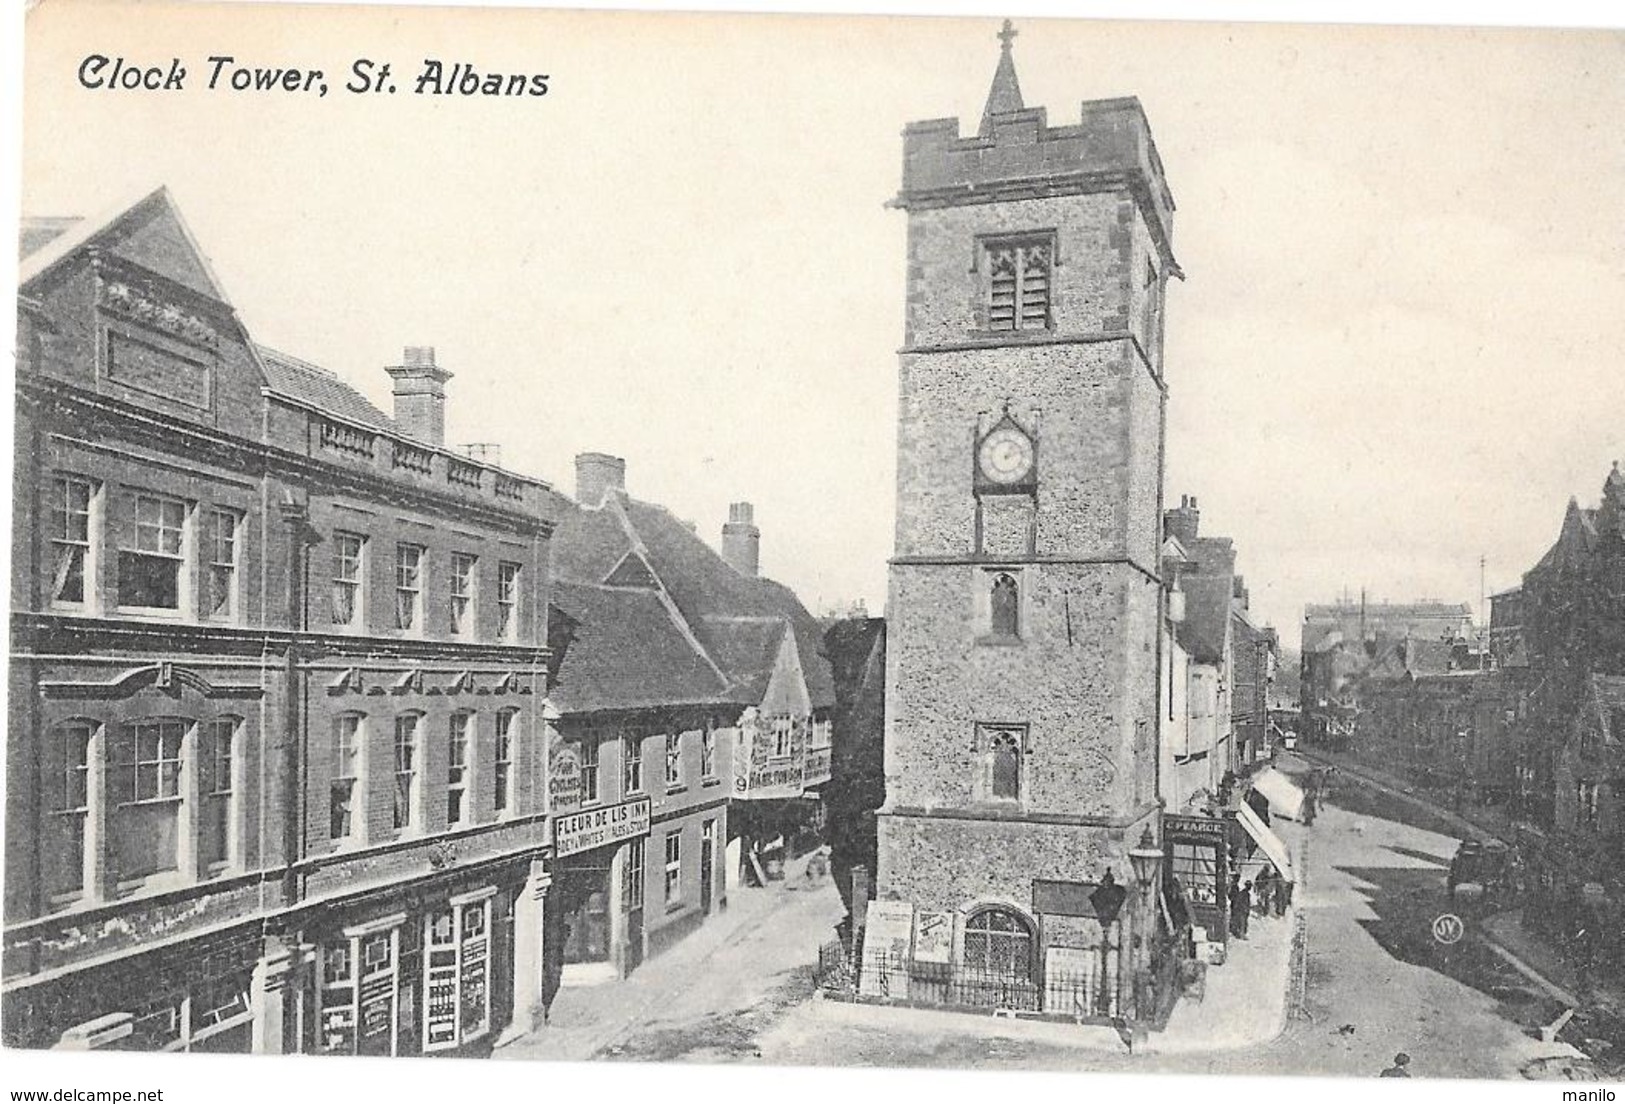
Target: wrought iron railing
1090	994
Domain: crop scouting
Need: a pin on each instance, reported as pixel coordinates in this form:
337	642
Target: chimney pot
598	475
742	540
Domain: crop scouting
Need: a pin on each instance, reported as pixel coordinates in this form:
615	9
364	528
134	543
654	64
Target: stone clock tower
1025	607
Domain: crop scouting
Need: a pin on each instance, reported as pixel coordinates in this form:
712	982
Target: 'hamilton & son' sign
591	828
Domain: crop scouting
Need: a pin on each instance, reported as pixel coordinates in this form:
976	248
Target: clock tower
1025	605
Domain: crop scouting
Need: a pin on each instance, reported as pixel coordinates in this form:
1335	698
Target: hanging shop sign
564	778
590	828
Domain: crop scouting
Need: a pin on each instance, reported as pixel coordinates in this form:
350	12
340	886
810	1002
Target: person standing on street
1241	903
1401	1060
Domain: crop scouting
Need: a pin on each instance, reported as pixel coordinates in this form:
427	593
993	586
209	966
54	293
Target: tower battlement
1017	155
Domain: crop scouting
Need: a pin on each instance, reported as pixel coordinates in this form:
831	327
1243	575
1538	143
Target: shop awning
1285	798
1268	842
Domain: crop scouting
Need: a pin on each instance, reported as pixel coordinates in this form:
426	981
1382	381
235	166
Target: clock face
1006	455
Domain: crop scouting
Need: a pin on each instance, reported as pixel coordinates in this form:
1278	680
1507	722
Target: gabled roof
35	233
109	228
312	385
624	651
738	621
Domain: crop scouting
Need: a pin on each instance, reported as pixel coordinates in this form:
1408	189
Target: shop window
457	973
632	763
218	791
457	769
708	751
220	600
360	975
348	579
67	806
71	551
464	580
999	943
502	766
147	798
342	805
407	815
632	876
674	867
507	602
152	555
674	760
409	587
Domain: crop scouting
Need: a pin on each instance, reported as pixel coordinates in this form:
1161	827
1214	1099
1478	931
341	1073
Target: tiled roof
738	619
315	386
625	652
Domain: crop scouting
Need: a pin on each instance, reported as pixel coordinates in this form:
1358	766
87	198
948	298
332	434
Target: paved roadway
1375	984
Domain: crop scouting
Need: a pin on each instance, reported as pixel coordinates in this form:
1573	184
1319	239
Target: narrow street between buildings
708	997
1371	982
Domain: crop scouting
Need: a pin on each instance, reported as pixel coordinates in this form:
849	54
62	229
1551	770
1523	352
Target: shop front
596	903
1199	861
425	972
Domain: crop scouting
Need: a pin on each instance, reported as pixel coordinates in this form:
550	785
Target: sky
1397	349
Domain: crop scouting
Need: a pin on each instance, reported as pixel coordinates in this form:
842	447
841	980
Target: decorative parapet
463	474
405	457
349	439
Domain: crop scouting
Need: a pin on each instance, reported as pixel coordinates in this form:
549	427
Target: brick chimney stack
598	475
741	540
1184	521
420	395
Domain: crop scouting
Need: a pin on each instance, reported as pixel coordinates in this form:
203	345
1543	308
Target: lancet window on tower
1019	284
1005	606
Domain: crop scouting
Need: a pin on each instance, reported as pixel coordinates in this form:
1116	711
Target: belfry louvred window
1019	284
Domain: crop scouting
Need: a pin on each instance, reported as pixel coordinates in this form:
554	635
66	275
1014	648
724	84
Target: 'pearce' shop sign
595	827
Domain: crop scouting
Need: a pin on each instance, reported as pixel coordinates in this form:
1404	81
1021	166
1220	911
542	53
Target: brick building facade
273	779
1025	606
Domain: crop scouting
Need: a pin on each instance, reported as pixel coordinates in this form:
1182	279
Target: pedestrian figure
1241	903
1401	1060
1283	895
1263	891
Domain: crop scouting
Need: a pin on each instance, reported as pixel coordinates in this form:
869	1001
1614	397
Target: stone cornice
967	560
1018	816
257	458
1048	186
29	631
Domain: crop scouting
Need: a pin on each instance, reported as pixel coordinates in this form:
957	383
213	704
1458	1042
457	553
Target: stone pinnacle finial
1005	95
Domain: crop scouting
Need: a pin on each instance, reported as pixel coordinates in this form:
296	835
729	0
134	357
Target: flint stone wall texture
945	865
1081	698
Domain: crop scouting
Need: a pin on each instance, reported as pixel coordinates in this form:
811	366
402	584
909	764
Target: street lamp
1147	860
